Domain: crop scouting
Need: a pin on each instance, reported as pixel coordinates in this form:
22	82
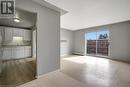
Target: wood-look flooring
17	72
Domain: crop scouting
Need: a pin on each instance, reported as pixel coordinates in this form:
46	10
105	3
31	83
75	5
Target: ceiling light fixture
17	20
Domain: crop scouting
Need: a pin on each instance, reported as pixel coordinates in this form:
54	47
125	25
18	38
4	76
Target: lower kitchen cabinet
21	51
16	52
27	51
7	53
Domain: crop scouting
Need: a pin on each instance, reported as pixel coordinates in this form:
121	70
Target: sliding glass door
97	43
91	43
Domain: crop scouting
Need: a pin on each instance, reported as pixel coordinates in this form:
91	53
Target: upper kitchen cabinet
1	35
18	32
27	35
10	32
8	37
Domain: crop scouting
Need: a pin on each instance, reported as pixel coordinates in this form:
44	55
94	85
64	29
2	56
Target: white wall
119	40
66	42
48	36
129	38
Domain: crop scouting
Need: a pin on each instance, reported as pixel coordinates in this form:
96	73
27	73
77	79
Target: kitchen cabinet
27	51
17	48
18	32
7	53
16	52
27	35
0	60
1	35
8	37
21	52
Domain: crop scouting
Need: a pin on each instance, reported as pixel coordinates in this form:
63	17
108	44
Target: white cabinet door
8	35
18	32
15	32
27	35
7	53
1	35
27	51
0	60
15	53
21	52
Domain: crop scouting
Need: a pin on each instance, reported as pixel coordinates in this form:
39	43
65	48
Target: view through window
97	43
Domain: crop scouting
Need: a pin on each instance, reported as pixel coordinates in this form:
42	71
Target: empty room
65	43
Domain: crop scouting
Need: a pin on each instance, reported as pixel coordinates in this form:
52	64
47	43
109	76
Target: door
97	43
103	43
91	43
64	48
15	53
7	53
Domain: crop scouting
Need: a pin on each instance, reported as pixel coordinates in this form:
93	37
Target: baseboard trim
40	76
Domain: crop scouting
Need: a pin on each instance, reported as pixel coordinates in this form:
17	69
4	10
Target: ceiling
90	13
27	20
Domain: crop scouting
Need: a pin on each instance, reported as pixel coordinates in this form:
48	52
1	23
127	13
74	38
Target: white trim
51	6
40	76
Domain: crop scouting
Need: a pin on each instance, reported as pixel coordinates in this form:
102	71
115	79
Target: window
97	43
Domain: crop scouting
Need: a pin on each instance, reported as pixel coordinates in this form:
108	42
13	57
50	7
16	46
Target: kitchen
18	48
16	43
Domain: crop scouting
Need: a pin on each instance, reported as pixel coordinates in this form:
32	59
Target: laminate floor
86	71
17	72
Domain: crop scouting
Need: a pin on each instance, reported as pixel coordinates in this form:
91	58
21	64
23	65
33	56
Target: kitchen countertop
10	46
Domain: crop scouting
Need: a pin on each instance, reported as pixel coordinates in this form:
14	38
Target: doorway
18	59
97	43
